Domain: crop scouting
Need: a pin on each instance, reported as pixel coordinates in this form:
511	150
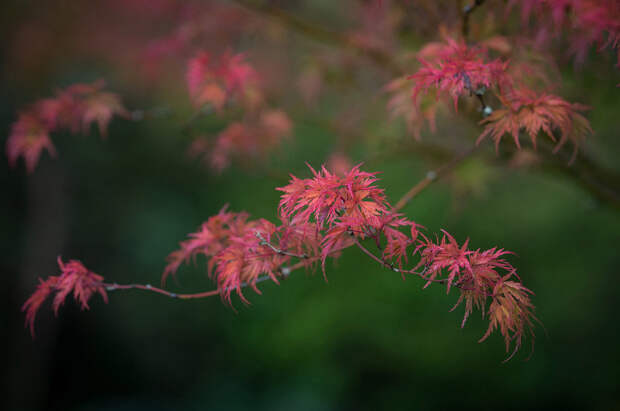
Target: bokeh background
364	340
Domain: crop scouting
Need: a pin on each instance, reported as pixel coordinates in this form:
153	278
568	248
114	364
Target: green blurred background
365	339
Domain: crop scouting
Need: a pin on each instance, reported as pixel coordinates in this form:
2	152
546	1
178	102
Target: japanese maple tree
486	63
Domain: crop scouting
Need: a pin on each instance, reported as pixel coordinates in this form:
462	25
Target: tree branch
467	10
374	257
432	175
284	272
277	250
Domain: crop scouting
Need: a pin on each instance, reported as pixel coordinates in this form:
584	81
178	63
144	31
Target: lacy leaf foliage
74	277
75	108
327	213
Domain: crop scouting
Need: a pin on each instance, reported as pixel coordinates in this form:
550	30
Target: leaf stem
277	250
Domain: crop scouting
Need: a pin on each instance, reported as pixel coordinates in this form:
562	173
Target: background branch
432	175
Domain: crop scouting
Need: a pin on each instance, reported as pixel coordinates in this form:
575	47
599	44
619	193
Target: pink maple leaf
456	68
74	277
28	139
535	113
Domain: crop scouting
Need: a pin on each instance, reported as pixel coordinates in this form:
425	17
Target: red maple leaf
211	238
29	137
397	242
345	207
511	311
482	275
246	258
456	68
215	79
534	113
445	255
250	140
327	197
74	277
82	104
99	108
587	22
74	108
242	250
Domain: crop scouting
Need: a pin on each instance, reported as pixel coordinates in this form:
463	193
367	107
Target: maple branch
284	272
597	181
432	175
374	257
149	287
486	109
600	183
412	271
277	250
467	10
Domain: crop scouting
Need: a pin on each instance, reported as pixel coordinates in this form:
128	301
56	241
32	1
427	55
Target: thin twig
374	257
431	176
277	250
148	287
412	271
284	272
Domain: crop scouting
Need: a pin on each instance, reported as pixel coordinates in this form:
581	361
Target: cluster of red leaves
456	68
327	213
588	22
241	250
376	29
224	81
344	207
453	67
599	20
321	216
481	275
210	239
248	140
216	80
252	254
74	277
533	113
193	22
29	137
75	108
